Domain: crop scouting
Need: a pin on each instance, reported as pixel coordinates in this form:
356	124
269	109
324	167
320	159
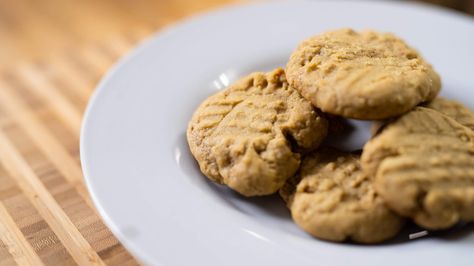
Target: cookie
287	191
250	135
453	109
362	75
335	201
423	166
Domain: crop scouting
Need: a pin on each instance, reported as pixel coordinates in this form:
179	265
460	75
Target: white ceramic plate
146	184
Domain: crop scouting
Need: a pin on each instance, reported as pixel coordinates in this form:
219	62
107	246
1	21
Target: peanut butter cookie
423	164
249	136
335	201
287	191
362	75
453	109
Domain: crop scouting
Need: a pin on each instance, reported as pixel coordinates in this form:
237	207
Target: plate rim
171	28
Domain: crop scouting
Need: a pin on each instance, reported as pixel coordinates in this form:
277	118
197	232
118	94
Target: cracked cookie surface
249	135
334	200
423	164
363	75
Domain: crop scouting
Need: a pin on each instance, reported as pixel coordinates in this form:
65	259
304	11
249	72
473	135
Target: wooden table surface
52	53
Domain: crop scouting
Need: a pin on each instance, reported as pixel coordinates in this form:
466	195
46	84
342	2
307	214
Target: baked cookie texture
362	75
250	135
287	191
453	109
423	164
336	201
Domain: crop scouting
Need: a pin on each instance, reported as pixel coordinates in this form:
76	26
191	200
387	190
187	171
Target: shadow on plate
273	206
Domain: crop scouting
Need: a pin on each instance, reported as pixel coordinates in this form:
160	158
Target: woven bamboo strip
45	141
72	77
18	247
39	85
49	209
96	60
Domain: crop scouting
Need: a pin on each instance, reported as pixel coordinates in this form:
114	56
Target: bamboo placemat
46	215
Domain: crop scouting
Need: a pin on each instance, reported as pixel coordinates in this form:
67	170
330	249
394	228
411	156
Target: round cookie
287	191
362	75
249	135
423	164
453	109
335	201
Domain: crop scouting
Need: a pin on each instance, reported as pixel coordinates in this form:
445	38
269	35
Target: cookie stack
265	134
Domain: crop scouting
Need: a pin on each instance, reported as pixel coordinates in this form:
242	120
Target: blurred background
37	28
52	54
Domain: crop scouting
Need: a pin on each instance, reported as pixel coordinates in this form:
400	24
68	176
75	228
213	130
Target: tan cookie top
335	201
423	164
249	135
453	109
363	75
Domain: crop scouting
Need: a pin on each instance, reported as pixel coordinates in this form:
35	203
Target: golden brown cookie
287	191
423	164
335	201
363	75
453	109
249	136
